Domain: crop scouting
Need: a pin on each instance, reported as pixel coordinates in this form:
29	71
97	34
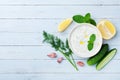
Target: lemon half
107	29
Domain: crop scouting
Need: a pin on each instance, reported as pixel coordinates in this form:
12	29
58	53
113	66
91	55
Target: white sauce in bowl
79	37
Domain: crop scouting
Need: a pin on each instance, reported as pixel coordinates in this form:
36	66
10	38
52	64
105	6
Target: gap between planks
100	73
43	59
60	4
17	45
49	18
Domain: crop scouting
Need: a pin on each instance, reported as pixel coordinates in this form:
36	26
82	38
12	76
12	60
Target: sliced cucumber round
106	59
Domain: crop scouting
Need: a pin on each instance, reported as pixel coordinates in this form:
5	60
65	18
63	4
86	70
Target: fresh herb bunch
91	42
60	46
84	19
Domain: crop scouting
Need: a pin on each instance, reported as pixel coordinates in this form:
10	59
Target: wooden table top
22	53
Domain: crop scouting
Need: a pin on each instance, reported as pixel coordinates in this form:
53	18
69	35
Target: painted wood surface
22	53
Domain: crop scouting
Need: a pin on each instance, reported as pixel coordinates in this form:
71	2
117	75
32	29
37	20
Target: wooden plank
25	52
62	11
38	25
41	67
32	39
59	76
29	32
59	2
20	38
35	53
79	76
29	25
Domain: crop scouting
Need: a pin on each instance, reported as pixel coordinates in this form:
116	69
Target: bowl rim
76	26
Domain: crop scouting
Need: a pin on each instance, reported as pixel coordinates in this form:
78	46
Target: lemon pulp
107	29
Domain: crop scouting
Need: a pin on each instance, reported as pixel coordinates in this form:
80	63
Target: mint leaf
92	22
84	19
91	42
87	17
92	38
78	18
90	46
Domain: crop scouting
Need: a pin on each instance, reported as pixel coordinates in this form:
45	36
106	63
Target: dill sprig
59	45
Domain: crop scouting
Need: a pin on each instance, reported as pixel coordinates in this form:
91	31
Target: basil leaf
78	18
90	46
92	38
87	17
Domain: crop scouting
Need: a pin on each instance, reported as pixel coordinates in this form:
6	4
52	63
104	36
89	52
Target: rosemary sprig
60	46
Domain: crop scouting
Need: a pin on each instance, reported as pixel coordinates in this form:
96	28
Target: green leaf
78	18
91	42
93	22
87	17
92	38
90	46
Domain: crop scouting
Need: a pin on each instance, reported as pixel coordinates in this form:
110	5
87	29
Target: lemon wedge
107	29
64	24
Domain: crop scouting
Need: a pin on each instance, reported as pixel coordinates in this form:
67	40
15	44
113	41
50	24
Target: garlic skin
52	55
59	60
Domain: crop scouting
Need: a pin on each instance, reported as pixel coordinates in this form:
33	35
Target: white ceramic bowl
79	37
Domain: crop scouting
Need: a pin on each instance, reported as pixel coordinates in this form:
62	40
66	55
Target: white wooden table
22	53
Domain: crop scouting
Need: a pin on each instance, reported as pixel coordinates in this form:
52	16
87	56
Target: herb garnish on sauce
91	42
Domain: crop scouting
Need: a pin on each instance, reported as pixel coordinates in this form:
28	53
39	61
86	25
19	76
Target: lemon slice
107	29
64	24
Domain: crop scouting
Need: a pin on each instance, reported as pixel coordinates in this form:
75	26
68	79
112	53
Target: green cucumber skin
95	59
104	61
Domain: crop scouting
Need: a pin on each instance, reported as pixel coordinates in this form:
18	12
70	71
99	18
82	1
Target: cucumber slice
106	59
97	58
